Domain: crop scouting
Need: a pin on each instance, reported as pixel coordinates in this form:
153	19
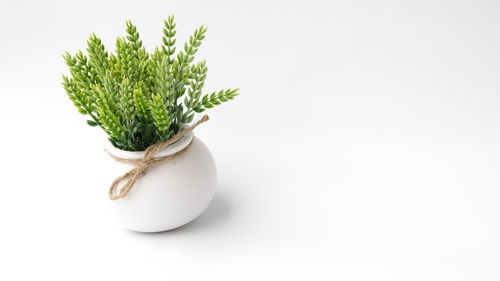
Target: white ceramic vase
171	193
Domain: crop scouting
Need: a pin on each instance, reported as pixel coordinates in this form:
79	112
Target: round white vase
171	193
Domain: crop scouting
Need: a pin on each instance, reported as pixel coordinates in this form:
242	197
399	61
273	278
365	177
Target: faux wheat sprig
137	98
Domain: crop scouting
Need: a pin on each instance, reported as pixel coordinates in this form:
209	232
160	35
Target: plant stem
93	117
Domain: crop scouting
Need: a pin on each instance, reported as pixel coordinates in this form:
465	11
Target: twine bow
148	160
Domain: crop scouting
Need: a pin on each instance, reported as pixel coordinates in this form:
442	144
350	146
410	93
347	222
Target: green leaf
92	123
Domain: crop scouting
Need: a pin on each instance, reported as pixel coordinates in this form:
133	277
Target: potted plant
144	102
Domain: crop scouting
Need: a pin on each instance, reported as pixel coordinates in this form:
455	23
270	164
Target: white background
364	144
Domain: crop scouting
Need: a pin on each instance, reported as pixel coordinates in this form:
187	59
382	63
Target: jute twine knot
148	160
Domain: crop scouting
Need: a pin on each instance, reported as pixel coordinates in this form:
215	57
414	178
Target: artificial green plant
138	98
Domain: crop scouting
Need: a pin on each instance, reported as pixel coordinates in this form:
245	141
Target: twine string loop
148	160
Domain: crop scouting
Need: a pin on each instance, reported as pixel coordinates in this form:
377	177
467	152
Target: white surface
364	146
